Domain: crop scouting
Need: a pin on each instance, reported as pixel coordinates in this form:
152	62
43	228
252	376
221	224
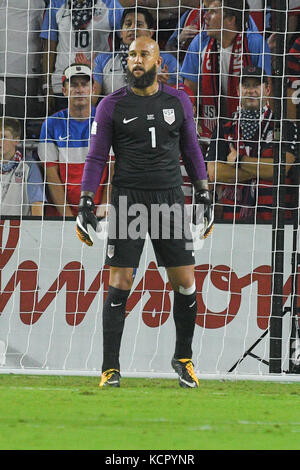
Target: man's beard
147	79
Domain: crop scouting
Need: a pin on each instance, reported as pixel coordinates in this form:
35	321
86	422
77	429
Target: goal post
280	14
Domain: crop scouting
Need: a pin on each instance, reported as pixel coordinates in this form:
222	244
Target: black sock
113	324
184	311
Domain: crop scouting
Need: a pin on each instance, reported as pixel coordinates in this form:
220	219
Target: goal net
239	63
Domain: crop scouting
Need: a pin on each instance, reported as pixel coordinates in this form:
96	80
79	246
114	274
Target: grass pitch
72	413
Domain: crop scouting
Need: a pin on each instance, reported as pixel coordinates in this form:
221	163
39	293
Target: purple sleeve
100	144
190	149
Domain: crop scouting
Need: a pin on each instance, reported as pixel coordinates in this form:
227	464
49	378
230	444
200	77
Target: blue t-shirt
64	141
258	49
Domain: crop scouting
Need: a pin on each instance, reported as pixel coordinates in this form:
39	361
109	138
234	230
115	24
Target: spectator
64	142
168	13
110	68
293	18
22	188
70	27
20	58
214	59
240	156
187	186
191	22
293	72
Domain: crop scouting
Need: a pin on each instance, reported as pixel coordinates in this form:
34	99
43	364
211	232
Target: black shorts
161	214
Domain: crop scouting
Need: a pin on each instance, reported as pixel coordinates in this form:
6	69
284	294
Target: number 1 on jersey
153	137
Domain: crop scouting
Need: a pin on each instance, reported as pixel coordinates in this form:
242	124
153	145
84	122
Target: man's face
134	26
213	19
8	144
78	90
216	21
253	93
143	63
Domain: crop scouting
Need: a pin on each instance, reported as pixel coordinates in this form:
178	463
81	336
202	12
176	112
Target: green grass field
72	413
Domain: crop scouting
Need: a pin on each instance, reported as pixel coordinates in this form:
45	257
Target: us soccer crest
169	115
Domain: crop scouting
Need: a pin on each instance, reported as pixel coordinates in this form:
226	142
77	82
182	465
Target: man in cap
64	141
241	152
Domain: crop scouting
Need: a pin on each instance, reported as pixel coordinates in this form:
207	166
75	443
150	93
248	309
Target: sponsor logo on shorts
110	251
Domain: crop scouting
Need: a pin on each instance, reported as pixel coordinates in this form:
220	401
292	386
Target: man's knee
189	289
182	279
121	278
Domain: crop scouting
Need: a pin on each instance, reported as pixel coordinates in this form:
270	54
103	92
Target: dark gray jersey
148	135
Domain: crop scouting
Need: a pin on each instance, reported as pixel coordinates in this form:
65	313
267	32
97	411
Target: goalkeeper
149	125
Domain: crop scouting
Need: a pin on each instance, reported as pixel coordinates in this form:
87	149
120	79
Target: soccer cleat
110	378
185	370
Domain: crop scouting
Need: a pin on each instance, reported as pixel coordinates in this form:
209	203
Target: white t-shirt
255	4
20	26
57	26
225	56
294	4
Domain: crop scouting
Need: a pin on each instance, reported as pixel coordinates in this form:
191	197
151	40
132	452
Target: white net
239	61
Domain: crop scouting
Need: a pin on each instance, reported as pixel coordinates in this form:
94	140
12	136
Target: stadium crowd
59	58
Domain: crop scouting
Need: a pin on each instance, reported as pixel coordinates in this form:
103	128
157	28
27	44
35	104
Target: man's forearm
225	173
258	168
57	193
37	209
48	60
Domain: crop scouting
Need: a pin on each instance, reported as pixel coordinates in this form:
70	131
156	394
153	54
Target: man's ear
267	89
231	22
65	90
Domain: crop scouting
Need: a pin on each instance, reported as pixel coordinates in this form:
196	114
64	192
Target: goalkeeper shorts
161	214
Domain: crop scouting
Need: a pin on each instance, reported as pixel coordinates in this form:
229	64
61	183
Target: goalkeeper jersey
148	135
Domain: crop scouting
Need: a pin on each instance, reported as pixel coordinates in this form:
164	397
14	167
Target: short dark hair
251	71
13	125
239	9
143	11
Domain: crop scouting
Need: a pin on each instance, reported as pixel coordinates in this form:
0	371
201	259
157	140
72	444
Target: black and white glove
203	196
86	220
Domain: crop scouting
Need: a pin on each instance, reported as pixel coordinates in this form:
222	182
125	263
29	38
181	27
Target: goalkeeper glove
86	219
202	196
